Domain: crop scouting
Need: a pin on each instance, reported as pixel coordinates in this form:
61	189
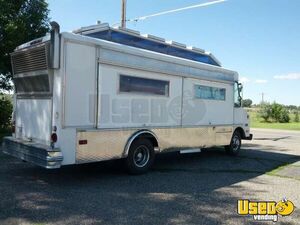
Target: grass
275	172
257	122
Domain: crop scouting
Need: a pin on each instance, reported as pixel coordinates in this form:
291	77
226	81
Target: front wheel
140	156
235	144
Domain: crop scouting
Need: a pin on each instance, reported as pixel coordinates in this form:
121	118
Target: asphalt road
201	188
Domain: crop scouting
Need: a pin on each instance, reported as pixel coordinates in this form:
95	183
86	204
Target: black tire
140	156
235	144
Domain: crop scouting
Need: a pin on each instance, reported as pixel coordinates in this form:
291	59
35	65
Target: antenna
124	20
177	10
262	97
123	14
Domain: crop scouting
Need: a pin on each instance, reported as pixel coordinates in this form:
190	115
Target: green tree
265	111
284	116
274	113
6	111
20	22
279	113
247	103
296	119
291	107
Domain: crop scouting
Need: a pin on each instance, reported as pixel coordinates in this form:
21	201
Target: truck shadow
179	189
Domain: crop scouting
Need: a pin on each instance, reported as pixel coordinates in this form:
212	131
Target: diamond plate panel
110	144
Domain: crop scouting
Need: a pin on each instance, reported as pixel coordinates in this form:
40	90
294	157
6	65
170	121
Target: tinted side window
211	93
143	85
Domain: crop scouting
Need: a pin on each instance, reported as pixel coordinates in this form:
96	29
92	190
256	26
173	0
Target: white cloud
247	80
289	76
244	80
261	81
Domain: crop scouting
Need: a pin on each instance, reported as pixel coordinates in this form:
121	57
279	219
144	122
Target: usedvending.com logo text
265	210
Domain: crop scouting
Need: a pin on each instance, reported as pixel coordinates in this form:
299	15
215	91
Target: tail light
53	137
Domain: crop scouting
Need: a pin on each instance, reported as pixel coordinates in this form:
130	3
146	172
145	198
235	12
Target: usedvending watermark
265	210
149	110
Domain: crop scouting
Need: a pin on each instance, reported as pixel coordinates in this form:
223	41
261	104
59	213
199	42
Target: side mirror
240	86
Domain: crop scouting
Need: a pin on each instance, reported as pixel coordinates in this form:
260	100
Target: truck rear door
33	81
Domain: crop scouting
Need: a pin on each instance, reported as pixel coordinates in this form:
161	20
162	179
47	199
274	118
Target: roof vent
100	26
130	31
177	44
196	49
154	38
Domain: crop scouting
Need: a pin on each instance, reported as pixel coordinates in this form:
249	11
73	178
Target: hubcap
235	143
141	156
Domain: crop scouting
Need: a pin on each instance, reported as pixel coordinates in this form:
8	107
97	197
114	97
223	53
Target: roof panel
152	43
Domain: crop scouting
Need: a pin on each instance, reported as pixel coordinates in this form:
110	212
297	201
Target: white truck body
97	96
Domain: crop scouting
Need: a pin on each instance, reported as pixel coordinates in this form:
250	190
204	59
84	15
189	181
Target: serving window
131	84
210	93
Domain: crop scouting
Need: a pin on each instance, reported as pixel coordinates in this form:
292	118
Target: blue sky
258	38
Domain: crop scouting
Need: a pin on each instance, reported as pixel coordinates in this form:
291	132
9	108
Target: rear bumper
38	154
249	137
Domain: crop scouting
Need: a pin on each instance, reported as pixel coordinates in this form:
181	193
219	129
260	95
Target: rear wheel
235	144
140	156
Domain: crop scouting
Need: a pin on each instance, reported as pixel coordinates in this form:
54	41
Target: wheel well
140	135
148	136
241	131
